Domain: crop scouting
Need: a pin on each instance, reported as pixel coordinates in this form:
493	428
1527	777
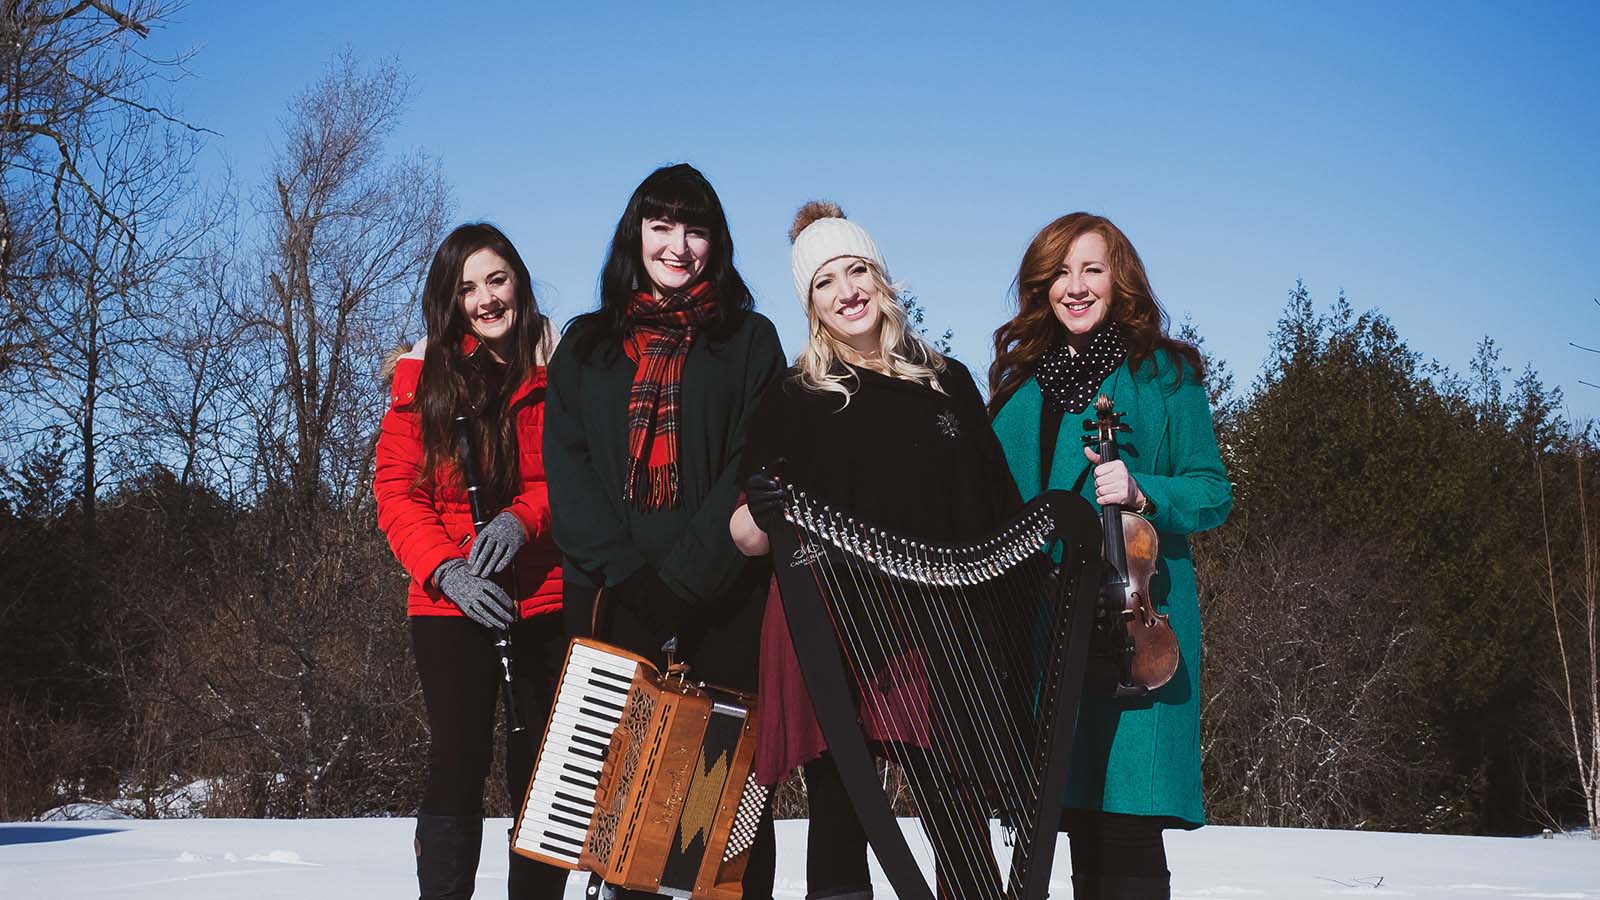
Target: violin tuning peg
1090	440
1091	425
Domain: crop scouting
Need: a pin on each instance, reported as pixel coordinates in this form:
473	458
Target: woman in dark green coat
1088	324
649	400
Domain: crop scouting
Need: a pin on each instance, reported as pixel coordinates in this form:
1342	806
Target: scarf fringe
653	487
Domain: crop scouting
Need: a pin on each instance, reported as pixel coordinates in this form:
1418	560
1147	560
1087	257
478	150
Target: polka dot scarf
1069	380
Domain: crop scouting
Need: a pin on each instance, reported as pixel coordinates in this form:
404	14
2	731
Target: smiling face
1081	294
674	254
845	297
487	295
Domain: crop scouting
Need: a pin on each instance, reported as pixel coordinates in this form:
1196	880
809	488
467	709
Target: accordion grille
603	837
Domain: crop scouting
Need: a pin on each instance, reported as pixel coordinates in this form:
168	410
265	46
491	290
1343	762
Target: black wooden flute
480	518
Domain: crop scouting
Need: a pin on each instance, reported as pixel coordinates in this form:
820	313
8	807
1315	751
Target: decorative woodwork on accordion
646	779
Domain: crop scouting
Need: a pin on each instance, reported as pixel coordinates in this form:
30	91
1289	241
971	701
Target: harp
960	664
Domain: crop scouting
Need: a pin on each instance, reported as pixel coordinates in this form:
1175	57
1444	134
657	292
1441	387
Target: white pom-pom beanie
825	240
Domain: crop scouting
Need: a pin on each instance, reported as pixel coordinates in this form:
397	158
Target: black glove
649	598
763	493
480	599
496	544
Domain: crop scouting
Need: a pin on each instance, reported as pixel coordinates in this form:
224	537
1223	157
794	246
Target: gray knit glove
496	544
480	599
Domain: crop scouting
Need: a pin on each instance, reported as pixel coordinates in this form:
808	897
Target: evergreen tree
1374	491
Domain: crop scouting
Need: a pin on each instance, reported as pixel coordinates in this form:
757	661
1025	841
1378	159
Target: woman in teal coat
1088	324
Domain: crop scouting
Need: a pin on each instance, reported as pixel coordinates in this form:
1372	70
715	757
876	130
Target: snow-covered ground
349	859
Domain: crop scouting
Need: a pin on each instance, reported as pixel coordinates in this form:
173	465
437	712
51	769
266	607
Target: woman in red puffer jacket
483	359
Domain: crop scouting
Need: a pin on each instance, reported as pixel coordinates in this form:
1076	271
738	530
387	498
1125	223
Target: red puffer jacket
428	524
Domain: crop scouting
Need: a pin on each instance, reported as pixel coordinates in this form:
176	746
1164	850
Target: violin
1141	638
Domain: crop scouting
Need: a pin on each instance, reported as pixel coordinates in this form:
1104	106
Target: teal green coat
1141	759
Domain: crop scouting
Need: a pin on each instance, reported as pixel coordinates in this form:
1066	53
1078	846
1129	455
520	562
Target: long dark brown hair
1019	343
455	382
678	193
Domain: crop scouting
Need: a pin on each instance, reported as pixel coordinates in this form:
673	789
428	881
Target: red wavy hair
1019	343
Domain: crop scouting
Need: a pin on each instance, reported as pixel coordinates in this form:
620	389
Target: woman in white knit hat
879	423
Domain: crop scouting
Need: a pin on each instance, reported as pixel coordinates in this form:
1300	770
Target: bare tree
349	228
83	330
351	232
186	400
68	63
1306	662
65	66
1575	622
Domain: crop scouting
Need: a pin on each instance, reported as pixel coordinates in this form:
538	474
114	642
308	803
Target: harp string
897	723
1034	606
959	821
940	576
958	857
952	570
964	631
957	817
975	685
1023	592
983	674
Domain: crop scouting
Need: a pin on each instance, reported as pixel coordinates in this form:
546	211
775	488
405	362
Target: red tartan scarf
661	332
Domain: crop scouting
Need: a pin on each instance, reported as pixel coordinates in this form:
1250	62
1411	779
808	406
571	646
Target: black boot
529	879
1130	887
447	855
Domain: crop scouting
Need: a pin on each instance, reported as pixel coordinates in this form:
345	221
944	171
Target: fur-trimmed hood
400	351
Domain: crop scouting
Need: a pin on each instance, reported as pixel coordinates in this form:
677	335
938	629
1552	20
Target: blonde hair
902	353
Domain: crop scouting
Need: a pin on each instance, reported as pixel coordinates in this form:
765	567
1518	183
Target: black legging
1114	844
836	844
459	667
1101	844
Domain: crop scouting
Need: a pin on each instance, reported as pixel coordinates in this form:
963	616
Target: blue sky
1436	161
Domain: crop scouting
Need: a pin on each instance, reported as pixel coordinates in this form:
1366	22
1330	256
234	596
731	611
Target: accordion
644	778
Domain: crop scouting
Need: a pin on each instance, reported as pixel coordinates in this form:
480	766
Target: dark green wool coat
1141	759
603	540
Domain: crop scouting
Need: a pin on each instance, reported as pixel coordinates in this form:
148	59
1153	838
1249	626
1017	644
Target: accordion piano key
586	710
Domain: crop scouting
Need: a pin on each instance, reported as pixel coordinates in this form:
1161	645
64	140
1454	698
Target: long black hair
456	383
678	194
